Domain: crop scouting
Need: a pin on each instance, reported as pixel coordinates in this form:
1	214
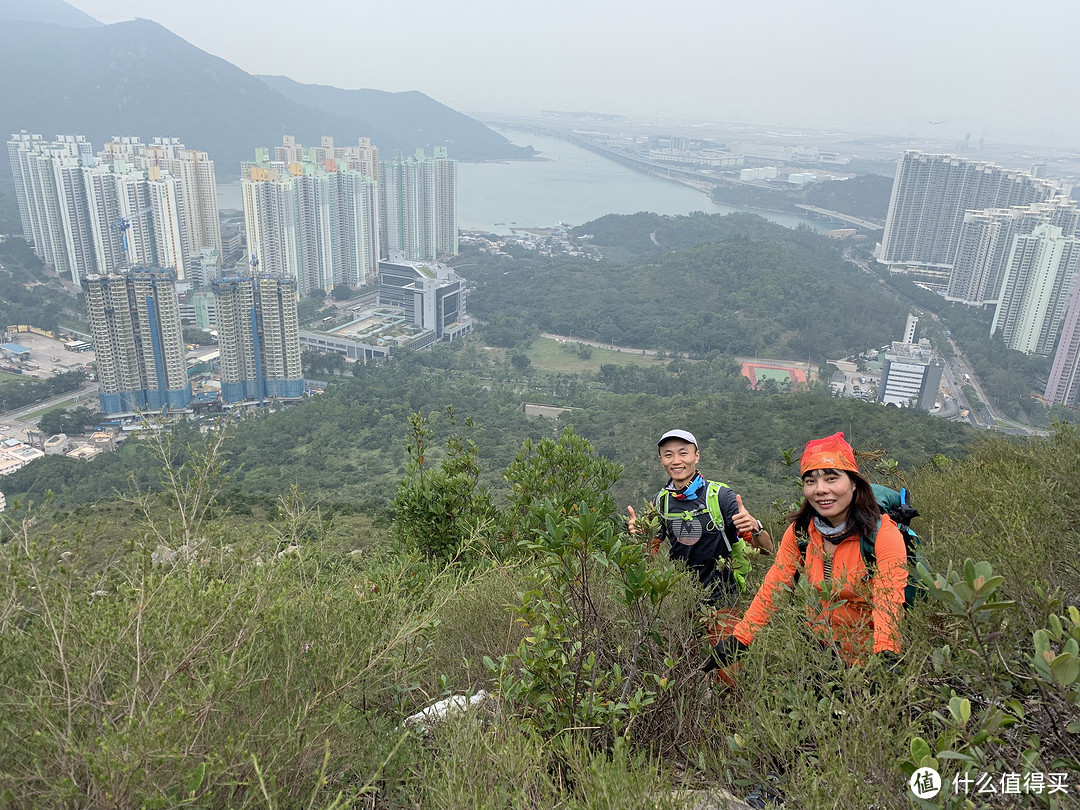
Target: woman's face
830	492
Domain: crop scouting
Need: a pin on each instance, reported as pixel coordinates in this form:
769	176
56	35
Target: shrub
561	474
594	657
444	510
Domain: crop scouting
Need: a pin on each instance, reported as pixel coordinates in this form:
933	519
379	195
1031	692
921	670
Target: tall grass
204	664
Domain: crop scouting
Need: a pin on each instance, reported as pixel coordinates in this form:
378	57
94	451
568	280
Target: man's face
679	459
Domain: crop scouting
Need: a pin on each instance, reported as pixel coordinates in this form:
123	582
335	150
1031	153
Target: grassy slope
235	665
549	355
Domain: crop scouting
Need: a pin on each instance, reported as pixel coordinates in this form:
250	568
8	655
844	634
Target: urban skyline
131	205
986	236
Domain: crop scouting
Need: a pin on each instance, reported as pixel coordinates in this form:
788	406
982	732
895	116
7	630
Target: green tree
441	510
565	474
71	422
520	361
199	336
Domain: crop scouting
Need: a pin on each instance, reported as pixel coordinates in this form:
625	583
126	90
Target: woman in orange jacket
858	609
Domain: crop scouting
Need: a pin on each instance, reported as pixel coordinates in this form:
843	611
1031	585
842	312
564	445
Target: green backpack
738	558
897	505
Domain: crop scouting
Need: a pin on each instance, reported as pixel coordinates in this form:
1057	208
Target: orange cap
830	453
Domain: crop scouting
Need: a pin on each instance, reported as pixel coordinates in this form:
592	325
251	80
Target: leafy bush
441	511
566	473
595	657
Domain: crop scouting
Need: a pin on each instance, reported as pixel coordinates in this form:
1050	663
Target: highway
16	423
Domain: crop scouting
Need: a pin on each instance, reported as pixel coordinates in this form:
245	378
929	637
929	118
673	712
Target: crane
123	223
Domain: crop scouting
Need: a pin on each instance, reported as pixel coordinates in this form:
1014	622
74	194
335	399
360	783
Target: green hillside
186	658
347	446
736	284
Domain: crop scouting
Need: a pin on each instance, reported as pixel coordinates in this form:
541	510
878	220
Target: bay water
564	184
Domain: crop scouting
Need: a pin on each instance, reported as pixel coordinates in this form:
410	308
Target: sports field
759	372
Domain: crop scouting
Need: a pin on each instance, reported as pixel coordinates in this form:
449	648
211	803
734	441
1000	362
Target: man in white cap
688	506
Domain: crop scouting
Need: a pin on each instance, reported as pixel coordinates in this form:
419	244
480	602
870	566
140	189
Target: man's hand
723	654
743	520
631	524
749	527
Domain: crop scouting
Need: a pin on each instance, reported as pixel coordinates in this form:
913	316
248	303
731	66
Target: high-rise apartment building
932	193
52	199
196	180
126	208
138	341
986	240
362	158
270	220
259	339
315	222
419	205
1063	384
1038	281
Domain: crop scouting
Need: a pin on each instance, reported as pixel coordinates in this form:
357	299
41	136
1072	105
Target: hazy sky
999	70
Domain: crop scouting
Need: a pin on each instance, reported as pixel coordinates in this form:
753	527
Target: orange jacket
861	614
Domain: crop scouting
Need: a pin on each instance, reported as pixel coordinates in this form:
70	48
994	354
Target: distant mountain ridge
430	122
138	78
54	12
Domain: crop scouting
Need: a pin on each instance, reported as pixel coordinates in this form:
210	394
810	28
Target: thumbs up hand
743	520
631	524
750	528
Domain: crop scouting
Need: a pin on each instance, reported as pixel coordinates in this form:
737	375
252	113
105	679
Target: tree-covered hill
347	446
735	284
865	196
29	294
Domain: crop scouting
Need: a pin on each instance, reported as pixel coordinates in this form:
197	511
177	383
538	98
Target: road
18	421
953	380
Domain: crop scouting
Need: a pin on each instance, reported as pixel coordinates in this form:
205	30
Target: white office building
432	295
911	375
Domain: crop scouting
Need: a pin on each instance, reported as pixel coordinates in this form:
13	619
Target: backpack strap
868	548
712	501
738	555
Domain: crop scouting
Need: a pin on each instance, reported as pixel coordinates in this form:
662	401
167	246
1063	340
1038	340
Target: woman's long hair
863	515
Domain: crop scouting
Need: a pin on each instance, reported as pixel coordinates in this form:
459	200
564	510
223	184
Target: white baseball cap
685	435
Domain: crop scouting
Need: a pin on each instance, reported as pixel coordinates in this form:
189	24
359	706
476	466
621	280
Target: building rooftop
378	325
